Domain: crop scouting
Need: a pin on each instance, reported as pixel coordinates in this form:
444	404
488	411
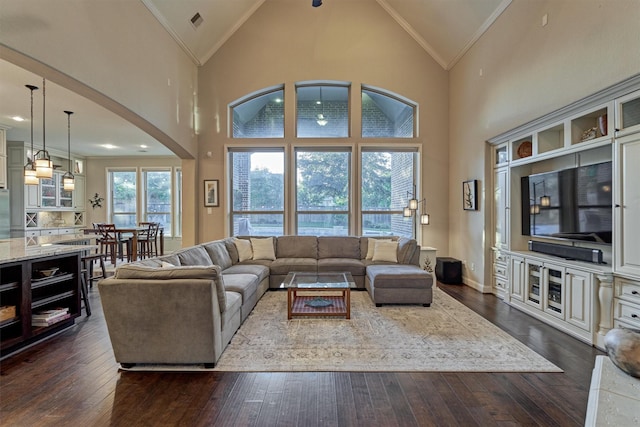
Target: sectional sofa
185	307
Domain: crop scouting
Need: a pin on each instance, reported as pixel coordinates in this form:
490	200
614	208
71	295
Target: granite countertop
24	248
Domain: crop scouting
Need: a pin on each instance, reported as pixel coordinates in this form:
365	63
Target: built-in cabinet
26	291
31	204
582	299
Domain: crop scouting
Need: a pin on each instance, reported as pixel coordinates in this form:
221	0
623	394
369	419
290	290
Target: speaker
449	270
567	252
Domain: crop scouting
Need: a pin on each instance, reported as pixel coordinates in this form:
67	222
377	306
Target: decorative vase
602	124
623	348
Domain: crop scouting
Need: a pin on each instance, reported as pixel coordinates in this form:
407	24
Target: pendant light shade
68	180
30	177
322	120
42	159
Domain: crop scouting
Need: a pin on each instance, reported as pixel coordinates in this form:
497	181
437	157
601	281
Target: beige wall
528	71
114	53
354	41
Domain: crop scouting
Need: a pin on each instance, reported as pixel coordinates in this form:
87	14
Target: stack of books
49	317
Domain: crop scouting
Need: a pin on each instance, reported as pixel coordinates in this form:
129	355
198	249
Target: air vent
196	20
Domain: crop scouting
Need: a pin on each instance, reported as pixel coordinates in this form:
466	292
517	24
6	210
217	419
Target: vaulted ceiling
445	29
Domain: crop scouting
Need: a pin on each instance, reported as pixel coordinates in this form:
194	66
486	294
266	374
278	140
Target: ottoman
399	284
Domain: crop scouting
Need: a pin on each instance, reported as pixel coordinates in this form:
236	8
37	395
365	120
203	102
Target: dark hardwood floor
73	380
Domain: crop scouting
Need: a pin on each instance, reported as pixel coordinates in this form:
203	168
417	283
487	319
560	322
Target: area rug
394	338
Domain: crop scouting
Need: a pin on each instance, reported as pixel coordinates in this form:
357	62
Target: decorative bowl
48	272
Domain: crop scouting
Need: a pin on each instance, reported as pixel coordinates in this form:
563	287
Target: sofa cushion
338	247
399	276
243	247
218	253
297	247
371	245
231	249
385	251
171	259
354	266
195	255
287	265
263	248
249	267
406	250
244	284
212	272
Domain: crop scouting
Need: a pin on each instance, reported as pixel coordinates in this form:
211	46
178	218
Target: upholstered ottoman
399	284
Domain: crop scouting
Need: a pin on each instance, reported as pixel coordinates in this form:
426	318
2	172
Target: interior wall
520	70
114	51
354	41
97	182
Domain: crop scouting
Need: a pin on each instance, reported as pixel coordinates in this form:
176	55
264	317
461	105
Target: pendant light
42	159
30	177
322	120
68	180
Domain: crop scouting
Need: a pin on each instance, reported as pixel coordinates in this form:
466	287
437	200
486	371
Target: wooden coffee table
315	286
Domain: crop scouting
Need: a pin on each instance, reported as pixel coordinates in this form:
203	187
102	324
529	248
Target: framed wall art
470	195
211	193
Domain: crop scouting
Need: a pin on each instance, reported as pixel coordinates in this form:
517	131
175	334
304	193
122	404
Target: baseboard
477	286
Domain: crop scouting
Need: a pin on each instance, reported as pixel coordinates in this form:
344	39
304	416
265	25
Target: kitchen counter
24	248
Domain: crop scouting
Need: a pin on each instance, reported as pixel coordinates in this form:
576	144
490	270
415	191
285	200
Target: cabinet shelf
8	322
49	300
47	281
9	286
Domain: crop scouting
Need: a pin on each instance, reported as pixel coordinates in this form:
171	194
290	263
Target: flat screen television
572	204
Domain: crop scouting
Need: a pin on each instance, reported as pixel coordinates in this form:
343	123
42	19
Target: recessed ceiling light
143	146
108	146
196	20
18	118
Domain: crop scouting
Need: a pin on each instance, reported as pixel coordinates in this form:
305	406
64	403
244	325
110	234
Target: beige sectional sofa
185	307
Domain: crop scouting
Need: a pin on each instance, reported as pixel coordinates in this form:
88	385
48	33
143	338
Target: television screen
574	204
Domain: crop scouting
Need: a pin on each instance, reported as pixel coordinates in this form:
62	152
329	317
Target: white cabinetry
627	303
79	196
517	279
627	205
562	294
500	276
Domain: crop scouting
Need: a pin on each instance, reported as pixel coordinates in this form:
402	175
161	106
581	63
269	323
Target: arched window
259	115
386	116
322	110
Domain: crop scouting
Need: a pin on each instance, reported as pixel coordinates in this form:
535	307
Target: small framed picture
211	194
470	195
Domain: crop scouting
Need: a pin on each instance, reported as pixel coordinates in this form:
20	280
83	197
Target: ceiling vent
196	20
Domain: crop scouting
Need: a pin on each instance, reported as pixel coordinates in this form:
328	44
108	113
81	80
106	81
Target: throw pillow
244	249
385	251
263	248
371	244
166	264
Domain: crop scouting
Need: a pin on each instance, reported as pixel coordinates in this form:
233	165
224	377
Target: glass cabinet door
534	282
48	192
554	295
66	197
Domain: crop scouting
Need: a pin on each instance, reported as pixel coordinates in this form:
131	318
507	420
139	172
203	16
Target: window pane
260	117
325	224
322	180
158	198
385	117
387	185
323	188
124	220
123	191
258	225
257	192
322	111
382	224
177	212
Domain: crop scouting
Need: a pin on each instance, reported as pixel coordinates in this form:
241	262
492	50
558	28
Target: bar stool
87	268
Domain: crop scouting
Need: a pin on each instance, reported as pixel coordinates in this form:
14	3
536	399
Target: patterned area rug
444	337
